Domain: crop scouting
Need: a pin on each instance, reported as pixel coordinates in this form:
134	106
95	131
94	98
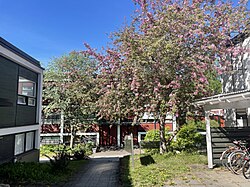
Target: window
52	119
141	136
26	87
24	142
21	100
31	101
19	143
29	141
26	92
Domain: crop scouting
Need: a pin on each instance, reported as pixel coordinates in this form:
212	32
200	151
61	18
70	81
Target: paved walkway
99	172
103	170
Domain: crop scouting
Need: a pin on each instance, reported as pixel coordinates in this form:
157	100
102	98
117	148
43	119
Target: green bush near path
50	150
158	170
21	173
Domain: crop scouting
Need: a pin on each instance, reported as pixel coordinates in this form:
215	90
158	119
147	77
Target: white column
209	140
119	135
61	127
39	109
248	116
174	125
97	139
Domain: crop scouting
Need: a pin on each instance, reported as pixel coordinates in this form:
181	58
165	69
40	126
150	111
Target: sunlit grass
166	167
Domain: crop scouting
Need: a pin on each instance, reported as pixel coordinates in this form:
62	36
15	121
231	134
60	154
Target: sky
46	29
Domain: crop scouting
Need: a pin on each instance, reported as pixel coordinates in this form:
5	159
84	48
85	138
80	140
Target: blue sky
51	28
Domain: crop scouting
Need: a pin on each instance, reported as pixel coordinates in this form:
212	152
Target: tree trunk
172	137
182	117
72	135
162	135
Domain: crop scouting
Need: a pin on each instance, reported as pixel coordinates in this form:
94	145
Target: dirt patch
200	175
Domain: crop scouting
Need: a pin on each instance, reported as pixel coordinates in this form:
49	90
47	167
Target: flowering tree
69	85
159	63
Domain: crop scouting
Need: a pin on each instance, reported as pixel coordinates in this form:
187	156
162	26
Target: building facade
54	130
20	104
236	80
235	101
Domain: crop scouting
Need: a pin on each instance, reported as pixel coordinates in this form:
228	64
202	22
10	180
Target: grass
155	170
36	173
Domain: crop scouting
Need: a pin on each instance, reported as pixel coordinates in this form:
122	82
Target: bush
78	152
154	136
201	124
23	173
47	150
81	151
61	158
36	174
88	148
188	138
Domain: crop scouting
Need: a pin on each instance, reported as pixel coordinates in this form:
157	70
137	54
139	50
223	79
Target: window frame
24	144
26	97
18	150
31	142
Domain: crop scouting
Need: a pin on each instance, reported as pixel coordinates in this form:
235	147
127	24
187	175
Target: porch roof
240	99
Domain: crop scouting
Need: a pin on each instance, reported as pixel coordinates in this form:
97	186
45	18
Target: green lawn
155	170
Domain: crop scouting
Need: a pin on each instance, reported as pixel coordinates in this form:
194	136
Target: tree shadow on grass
147	160
124	175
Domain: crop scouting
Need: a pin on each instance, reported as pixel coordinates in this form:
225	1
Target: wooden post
209	141
119	134
132	150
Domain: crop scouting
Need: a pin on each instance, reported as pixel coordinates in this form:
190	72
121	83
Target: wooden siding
6	152
8	93
27	74
26	115
223	137
108	133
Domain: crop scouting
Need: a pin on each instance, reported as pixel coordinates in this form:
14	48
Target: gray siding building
235	101
236	80
20	104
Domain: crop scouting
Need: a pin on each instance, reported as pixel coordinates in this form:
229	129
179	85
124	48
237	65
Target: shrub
22	173
188	138
88	148
47	150
81	151
201	124
154	136
36	174
61	158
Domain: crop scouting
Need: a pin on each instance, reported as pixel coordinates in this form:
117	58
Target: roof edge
222	95
19	52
